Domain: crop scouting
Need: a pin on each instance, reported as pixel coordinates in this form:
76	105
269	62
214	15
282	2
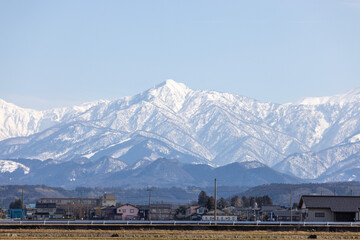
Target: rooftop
335	203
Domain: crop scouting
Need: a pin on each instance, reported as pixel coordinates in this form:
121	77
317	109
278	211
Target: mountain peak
341	99
170	92
171	84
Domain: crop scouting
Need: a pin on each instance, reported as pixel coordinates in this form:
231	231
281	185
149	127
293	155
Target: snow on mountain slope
16	121
7	166
311	165
346	170
195	126
352	96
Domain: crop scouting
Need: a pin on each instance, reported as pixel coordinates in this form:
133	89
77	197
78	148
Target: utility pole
149	189
290	204
215	202
22	202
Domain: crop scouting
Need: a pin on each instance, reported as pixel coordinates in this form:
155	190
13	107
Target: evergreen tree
222	203
245	201
203	199
180	210
267	200
17	204
235	201
263	201
210	203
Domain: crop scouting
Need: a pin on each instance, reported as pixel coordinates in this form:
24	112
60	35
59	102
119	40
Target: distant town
310	208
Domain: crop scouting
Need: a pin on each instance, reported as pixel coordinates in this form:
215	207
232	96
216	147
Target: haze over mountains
315	138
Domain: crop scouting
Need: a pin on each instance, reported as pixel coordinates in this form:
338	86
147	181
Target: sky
62	53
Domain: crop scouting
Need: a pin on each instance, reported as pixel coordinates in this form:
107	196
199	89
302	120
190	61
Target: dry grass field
167	235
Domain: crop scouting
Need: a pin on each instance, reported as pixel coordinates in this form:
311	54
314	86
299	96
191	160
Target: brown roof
335	203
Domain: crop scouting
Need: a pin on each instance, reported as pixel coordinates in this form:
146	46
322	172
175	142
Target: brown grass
167	234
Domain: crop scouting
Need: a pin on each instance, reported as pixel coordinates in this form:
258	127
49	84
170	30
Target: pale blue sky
59	53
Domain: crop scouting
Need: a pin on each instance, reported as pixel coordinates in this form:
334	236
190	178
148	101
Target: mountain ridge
196	126
158	173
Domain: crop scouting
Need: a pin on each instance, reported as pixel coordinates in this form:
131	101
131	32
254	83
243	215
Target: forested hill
279	193
173	195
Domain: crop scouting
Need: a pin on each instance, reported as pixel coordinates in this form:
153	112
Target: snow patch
121	152
252	164
10	166
320	129
355	138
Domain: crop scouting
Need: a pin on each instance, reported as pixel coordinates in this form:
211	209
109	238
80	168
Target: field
167	234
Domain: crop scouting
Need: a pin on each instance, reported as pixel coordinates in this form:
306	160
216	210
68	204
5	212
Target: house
16	213
230	210
220	216
30	210
108	200
248	213
82	208
143	212
315	208
45	211
201	210
195	209
128	211
64	202
110	213
191	210
267	212
161	211
287	215
195	213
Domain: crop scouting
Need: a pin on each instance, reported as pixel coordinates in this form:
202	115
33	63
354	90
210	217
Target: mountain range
316	139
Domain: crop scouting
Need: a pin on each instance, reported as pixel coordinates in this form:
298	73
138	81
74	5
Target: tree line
209	202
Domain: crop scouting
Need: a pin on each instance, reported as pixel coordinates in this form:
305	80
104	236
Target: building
82	208
110	213
267	212
64	202
287	215
16	213
191	210
128	212
195	212
315	208
108	200
44	211
30	210
143	212
162	212
220	216
248	213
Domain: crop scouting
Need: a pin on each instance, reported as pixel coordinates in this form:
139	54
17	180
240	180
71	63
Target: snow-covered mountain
201	127
312	165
